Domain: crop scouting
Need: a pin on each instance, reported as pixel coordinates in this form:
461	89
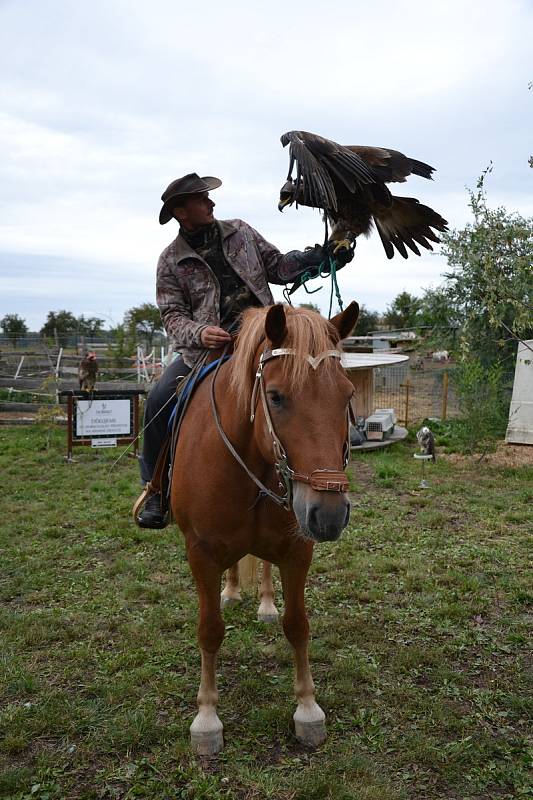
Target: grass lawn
419	619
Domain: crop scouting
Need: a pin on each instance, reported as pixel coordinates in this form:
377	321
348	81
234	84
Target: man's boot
155	513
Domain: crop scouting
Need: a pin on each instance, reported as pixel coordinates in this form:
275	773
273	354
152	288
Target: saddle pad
194	380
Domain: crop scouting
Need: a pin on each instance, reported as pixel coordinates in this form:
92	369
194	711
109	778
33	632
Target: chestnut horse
259	469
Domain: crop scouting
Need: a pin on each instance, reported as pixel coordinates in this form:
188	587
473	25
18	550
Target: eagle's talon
344	244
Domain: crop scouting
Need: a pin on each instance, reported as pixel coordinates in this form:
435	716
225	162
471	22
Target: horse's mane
308	333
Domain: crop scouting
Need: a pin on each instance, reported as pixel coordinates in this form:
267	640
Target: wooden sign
102	418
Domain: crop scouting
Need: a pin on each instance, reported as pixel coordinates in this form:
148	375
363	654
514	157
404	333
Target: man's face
196	210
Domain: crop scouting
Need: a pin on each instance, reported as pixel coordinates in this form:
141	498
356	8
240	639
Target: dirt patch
363	473
505	455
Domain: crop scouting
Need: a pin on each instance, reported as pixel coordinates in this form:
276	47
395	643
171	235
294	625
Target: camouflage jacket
188	293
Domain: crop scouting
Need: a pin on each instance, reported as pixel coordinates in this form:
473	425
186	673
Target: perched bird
87	371
426	440
349	184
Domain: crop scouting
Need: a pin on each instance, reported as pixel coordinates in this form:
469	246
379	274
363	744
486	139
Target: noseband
322	480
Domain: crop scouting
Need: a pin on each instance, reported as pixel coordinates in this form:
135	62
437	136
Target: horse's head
300	409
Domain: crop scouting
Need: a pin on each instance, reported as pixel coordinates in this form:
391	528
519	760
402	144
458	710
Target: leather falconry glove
309	261
315	261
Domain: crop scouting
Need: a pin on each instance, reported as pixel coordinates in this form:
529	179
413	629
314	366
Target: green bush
484	404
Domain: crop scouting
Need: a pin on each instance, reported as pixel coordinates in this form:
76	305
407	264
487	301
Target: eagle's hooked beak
286	194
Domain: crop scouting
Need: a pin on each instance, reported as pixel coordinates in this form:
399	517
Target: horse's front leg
206	729
309	719
267	611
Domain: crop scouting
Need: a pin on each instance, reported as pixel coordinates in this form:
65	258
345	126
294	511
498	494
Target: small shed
359	367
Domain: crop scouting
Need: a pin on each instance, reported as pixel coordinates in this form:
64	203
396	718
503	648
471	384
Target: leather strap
159	482
264	490
141	500
324	480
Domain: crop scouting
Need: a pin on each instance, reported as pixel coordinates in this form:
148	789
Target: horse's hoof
267	612
229	602
312	734
269	618
310	725
206	741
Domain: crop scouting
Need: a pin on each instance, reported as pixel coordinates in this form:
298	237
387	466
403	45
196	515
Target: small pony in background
258	469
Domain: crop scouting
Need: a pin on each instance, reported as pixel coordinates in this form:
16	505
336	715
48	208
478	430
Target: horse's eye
275	398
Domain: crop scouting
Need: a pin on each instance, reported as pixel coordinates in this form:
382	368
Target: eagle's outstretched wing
319	162
391	166
405	222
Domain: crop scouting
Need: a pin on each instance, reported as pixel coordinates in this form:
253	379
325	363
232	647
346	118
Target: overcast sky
104	103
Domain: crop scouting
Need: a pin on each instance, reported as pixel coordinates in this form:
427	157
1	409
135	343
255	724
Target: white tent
520	427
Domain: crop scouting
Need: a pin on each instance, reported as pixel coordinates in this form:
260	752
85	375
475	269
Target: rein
322	480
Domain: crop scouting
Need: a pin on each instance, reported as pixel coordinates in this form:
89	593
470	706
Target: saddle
160	483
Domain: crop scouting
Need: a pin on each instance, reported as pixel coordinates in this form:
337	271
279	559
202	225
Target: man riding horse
211	273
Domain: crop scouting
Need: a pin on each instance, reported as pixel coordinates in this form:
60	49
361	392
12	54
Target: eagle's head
289	193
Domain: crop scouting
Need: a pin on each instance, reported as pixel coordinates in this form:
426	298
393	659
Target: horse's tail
248	573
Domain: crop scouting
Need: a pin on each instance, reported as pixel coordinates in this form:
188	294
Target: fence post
444	395
407	387
21	362
58	362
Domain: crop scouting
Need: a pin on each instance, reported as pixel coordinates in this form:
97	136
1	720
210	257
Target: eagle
87	370
349	184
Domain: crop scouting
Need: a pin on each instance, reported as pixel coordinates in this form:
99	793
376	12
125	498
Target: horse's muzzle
322	516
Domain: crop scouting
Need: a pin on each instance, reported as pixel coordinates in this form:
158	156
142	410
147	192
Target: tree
311	307
14	327
122	344
64	324
92	326
144	321
438	313
366	322
61	323
437	309
403	312
491	281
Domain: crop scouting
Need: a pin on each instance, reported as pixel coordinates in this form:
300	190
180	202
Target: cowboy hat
189	184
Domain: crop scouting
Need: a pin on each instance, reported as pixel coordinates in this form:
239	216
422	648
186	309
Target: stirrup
141	500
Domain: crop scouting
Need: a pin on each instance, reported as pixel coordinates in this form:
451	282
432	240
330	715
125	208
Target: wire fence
417	389
421	389
416	394
32	379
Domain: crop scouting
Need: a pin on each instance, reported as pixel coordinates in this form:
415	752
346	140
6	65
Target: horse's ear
276	325
345	321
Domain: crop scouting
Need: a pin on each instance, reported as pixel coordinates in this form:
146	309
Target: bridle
322	480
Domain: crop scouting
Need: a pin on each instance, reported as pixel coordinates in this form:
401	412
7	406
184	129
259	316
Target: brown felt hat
189	184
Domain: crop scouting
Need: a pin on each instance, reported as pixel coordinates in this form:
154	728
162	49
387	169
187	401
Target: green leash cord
334	285
327	268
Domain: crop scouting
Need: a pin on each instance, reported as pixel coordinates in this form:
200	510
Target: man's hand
213	337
